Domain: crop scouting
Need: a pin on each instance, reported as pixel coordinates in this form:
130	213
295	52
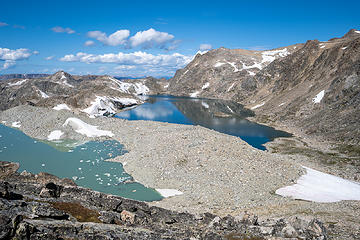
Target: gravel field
217	173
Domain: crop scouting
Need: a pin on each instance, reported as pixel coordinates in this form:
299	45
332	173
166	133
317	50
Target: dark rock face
72	212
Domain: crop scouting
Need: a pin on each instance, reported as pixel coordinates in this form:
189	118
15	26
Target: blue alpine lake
85	163
220	115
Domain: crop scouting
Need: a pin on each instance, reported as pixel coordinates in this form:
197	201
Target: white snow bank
257	106
343	48
318	97
234	66
62	106
102	105
204	104
86	129
17	83
232	85
357	31
194	94
64	80
42	94
321	187
55	135
137	88
16	124
166	86
206	85
269	56
219	64
251	73
168	192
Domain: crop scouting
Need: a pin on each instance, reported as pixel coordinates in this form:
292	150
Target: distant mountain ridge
91	94
23	76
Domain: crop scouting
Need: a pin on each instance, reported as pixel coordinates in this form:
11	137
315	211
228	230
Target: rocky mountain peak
352	33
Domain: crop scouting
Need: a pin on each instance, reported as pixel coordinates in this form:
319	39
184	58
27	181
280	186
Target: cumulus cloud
205	47
11	56
59	29
3	24
117	38
151	38
89	43
175	60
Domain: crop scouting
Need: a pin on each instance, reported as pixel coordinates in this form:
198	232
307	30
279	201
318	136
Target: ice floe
62	106
318	97
168	192
16	124
86	129
321	187
204	104
55	135
18	83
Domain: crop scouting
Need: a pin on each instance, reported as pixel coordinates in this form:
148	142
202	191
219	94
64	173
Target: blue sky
143	38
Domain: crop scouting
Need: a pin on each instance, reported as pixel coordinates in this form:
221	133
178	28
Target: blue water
84	163
220	115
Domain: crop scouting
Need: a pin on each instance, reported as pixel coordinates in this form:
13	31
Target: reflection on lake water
85	163
220	115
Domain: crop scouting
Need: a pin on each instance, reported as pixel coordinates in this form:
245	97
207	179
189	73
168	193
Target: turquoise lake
83	162
220	115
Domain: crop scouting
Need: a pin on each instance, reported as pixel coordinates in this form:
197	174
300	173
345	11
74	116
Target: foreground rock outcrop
43	206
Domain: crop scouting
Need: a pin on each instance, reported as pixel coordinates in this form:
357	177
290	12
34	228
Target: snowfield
317	186
103	105
55	135
318	97
168	192
62	106
16	124
257	106
18	83
86	129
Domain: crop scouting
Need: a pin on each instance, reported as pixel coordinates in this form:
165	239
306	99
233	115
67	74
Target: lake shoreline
216	172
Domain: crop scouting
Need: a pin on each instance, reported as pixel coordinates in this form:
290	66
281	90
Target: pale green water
83	162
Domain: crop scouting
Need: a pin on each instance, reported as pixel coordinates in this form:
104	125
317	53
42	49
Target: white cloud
3	24
124	67
8	64
11	56
136	58
89	43
205	47
49	58
35	52
59	29
150	38
117	38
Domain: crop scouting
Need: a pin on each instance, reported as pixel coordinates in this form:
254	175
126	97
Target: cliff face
77	92
305	84
43	206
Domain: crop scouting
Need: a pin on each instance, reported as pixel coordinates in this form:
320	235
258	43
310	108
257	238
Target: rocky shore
44	207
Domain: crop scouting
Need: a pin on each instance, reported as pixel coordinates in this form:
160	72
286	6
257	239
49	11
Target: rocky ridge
100	95
43	206
305	85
